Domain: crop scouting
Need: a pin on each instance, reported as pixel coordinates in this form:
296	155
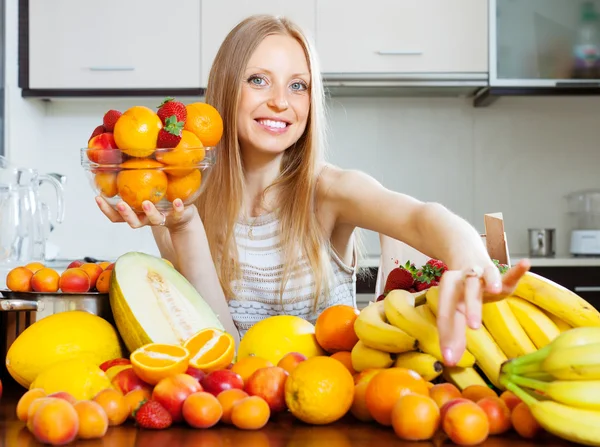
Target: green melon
153	303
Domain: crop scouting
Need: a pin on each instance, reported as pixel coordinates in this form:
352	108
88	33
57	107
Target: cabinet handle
109	68
399	53
587	289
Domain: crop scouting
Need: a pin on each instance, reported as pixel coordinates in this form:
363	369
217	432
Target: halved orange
155	361
210	349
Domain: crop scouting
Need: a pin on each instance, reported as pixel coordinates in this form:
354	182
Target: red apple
114	362
221	380
172	391
196	373
126	381
101	150
75	264
450	404
269	383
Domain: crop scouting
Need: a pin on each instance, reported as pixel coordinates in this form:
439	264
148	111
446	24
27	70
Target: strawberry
423	285
439	265
110	119
97	131
399	278
152	414
170	135
169	107
380	297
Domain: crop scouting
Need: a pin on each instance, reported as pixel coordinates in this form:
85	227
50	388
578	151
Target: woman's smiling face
275	96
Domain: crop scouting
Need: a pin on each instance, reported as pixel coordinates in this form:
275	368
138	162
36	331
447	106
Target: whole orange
136	131
183	187
387	387
140	180
188	152
334	328
320	390
205	122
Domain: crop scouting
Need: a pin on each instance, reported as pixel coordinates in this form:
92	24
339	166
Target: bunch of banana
567	373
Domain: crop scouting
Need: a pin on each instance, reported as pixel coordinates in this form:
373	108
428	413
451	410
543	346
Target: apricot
477	392
498	414
201	410
135	398
269	383
104	264
345	358
444	392
228	399
65	396
103	281
114	404
93	421
45	280
524	423
93	270
366	375
291	360
74	280
26	400
106	182
415	417
19	279
33	407
359	403
510	399
35	266
55	422
466	423
250	413
450	404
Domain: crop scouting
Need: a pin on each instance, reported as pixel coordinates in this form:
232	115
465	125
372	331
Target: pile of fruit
141	154
381	364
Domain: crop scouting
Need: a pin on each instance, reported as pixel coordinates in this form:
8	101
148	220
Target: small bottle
586	51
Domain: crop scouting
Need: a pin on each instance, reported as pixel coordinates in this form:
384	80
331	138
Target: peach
172	391
45	280
228	399
114	404
33	408
25	402
19	279
477	392
126	381
198	374
101	150
444	409
136	397
106	182
103	281
366	375
35	266
201	410
510	399
444	392
55	422
110	363
223	379
74	280
93	270
466	423
524	423
291	360
498	414
269	383
93	421
64	396
75	264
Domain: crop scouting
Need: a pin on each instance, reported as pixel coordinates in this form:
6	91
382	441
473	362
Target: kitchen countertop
282	431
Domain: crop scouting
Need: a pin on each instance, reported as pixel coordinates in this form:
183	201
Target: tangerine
334	328
188	152
415	417
140	180
205	122
106	182
183	187
136	131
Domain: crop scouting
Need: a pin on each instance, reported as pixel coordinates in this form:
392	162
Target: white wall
519	156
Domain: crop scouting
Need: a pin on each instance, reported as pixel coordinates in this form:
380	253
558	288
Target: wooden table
282	431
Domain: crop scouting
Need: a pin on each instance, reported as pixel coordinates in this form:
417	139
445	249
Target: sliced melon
153	303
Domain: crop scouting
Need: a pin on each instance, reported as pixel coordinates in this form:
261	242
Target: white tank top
260	257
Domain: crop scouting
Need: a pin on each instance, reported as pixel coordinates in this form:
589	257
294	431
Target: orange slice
155	361
210	349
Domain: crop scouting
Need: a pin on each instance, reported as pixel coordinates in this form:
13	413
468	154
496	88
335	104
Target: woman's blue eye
298	86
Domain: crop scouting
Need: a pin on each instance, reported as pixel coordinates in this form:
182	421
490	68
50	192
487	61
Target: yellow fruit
136	131
364	357
276	336
59	337
79	377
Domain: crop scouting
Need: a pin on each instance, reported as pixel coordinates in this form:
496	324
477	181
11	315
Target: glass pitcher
25	221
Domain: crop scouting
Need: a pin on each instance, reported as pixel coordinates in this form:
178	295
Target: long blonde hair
221	199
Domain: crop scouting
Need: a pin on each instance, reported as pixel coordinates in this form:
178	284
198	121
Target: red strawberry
399	278
170	107
170	135
110	119
423	285
380	297
97	131
152	414
437	264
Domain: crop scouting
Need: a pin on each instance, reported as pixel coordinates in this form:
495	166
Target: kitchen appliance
542	242
584	210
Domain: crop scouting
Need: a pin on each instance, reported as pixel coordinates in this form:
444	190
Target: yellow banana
403	315
426	313
426	365
463	377
501	322
363	357
577	393
375	332
488	355
540	329
577	425
574	363
557	300
560	324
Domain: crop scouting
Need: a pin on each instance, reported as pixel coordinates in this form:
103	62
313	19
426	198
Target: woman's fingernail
447	353
146	206
121	207
474	323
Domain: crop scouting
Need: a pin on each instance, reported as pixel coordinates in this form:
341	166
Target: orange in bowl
205	122
136	131
210	349
155	361
188	152
141	180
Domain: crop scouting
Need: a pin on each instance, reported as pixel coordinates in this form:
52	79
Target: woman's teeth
273	124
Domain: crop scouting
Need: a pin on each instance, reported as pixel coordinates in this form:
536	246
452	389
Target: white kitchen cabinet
220	17
114	44
403	36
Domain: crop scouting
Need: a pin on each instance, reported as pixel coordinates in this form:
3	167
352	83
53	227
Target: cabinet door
403	36
219	17
114	44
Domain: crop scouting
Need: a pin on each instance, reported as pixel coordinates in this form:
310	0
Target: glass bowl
157	175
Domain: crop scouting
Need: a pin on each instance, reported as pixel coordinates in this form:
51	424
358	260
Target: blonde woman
274	229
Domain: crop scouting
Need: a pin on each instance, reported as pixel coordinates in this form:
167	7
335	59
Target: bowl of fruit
141	154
